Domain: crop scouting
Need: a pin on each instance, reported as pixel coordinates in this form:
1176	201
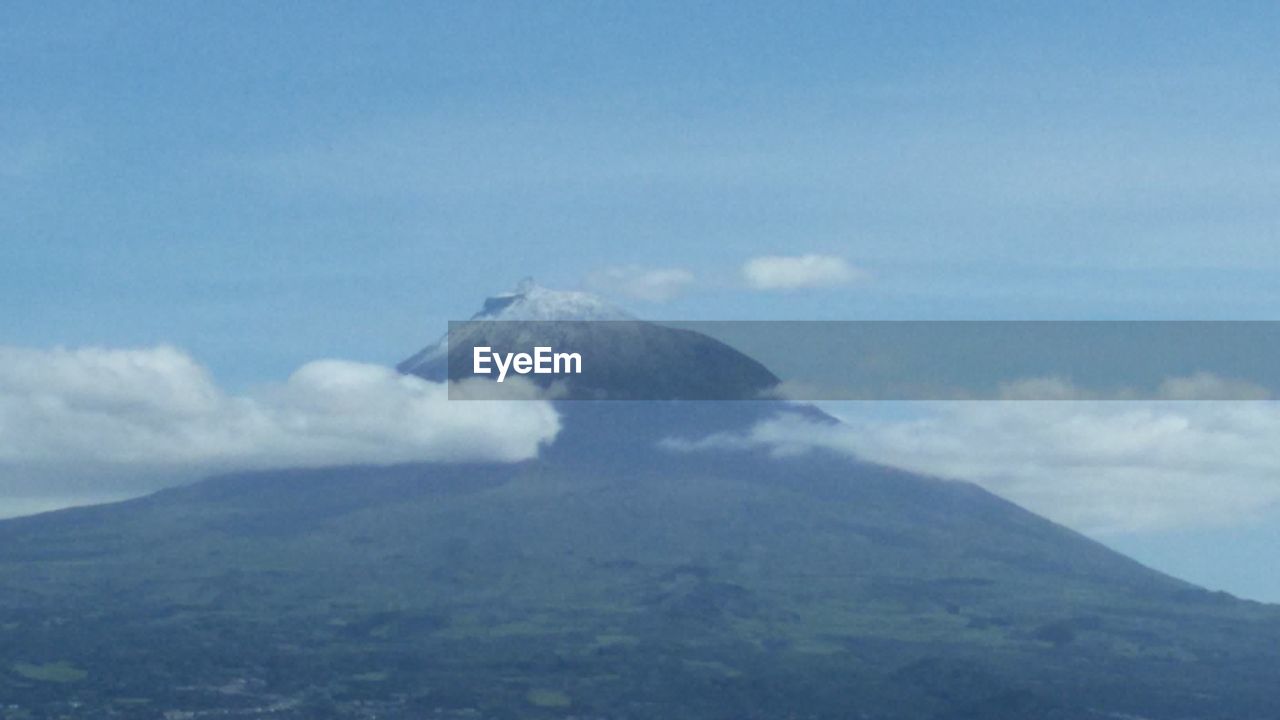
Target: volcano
628	359
610	577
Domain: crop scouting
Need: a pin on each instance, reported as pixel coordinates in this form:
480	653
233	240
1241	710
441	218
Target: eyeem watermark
543	361
866	360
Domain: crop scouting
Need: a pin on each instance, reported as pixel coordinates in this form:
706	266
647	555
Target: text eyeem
543	361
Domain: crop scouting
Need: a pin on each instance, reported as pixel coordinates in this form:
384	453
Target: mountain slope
686	587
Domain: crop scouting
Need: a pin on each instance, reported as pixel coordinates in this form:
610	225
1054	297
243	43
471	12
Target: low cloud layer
123	412
647	284
1100	467
1198	386
776	272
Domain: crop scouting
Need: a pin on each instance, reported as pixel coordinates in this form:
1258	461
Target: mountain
625	358
609	578
528	302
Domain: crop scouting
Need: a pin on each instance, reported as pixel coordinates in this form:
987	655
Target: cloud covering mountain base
1098	467
68	416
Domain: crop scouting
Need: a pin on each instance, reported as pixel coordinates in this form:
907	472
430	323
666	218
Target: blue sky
266	184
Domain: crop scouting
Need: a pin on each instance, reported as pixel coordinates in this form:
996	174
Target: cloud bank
1099	467
775	272
157	408
1197	386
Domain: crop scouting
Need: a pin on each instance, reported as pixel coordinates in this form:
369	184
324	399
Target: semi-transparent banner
859	360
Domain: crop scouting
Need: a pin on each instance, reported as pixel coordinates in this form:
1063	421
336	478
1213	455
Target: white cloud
157	408
1099	467
1207	386
775	272
1198	386
649	284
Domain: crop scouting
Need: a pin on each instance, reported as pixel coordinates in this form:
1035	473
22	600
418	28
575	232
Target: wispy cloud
1197	386
777	272
648	284
1100	467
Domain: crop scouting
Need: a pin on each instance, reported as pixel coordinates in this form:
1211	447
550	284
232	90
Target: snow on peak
527	302
531	301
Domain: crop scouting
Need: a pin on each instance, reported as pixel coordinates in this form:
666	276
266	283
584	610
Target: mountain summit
608	578
528	302
624	358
